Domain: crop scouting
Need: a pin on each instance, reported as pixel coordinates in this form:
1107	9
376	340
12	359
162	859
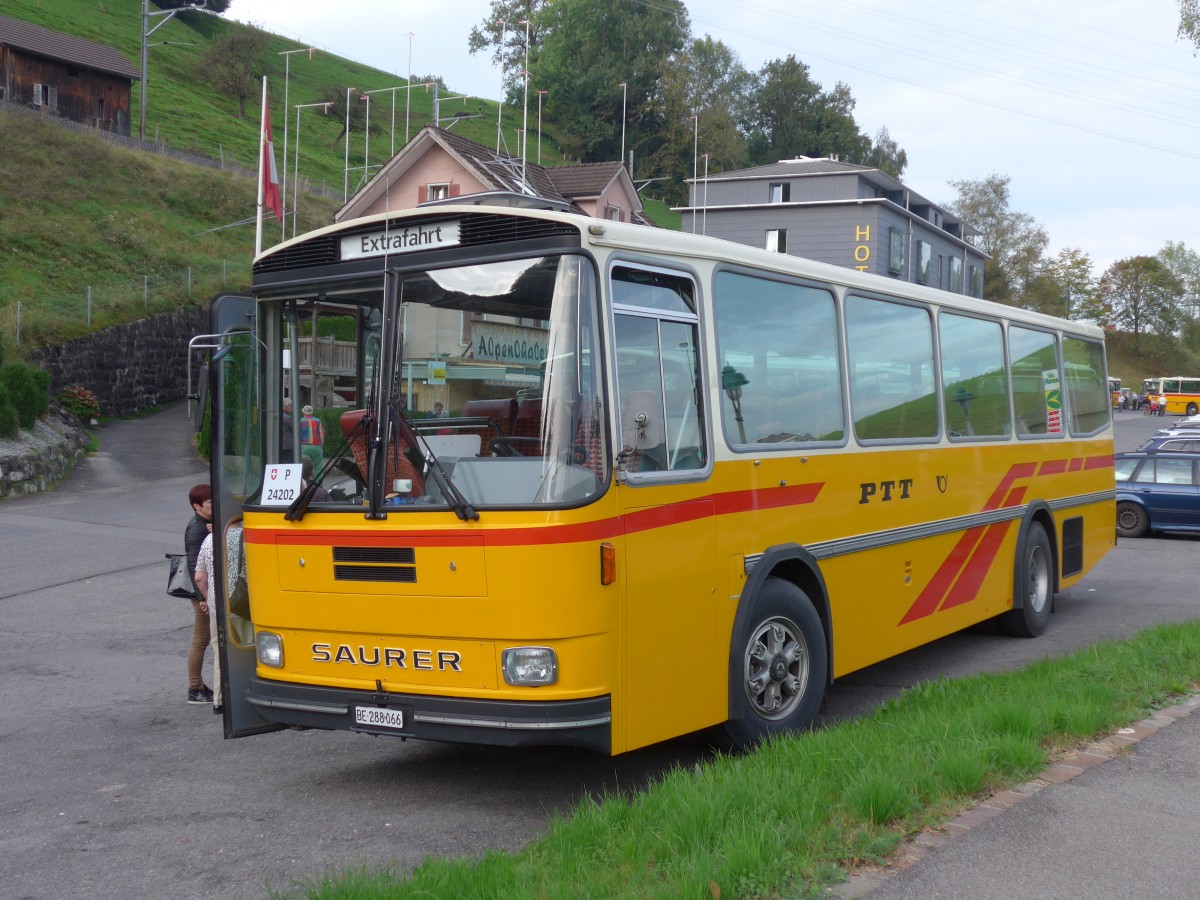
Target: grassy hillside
184	112
78	212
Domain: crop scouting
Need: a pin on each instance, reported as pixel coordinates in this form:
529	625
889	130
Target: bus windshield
471	384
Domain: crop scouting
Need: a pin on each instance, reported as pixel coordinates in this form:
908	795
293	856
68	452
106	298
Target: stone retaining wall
132	367
35	460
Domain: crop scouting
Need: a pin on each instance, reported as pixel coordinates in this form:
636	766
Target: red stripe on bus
1099	462
1054	467
967	587
636	521
927	603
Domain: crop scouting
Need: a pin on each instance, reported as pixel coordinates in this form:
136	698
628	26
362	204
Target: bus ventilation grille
394	564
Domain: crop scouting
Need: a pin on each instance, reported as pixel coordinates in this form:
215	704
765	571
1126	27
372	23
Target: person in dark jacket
200	497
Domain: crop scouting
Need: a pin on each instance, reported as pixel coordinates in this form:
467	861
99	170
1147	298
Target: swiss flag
270	175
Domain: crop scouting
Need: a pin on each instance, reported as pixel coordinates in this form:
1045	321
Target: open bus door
234	388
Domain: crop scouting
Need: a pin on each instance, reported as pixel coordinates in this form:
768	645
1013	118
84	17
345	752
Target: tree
235	63
1014	240
1184	264
793	116
588	49
887	155
1072	270
503	33
1143	296
1189	21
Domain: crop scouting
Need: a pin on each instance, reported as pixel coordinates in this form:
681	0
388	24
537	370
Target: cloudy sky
1092	109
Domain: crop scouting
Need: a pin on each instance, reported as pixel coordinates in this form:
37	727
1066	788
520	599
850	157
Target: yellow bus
1177	394
676	482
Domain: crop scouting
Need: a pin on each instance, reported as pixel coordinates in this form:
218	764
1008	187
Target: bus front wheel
1192	409
778	665
1034	579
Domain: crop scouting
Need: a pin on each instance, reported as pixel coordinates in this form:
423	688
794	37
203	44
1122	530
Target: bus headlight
529	666
270	649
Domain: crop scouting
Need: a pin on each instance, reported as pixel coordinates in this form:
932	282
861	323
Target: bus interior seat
398	463
502	412
528	424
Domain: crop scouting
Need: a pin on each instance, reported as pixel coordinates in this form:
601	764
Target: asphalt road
110	785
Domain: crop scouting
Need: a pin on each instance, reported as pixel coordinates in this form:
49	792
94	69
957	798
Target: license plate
378	717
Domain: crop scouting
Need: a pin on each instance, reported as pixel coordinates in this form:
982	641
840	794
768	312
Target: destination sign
403	240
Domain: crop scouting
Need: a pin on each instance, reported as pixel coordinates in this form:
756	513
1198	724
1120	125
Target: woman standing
200	496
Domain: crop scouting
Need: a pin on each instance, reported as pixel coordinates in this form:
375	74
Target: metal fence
95	307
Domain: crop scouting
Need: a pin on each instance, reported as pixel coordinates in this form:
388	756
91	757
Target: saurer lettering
388	657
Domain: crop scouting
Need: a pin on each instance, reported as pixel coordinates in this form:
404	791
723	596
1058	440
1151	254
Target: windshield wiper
461	506
299	506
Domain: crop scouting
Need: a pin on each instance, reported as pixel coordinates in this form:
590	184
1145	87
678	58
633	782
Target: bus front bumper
504	723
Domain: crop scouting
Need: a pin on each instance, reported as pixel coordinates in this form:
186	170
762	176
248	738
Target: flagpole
262	144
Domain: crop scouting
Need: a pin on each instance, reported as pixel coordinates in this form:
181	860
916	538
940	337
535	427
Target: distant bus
1179	394
1114	391
683	482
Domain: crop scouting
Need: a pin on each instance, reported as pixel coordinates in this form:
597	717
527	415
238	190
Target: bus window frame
1008	397
1060	435
694	318
930	309
839	325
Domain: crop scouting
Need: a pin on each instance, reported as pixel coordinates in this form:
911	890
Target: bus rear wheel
778	666
1034	579
1192	409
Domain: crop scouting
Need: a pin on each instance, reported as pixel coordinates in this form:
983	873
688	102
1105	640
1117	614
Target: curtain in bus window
1036	384
1088	400
890	351
974	380
777	348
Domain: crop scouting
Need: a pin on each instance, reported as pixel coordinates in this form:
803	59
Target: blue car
1157	490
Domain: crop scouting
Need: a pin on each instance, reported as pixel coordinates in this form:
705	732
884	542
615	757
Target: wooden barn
66	76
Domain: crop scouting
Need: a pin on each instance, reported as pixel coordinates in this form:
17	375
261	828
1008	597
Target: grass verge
792	817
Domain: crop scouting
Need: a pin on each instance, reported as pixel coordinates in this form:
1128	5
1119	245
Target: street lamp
624	97
407	99
525	114
367	139
695	161
704	203
963	398
540	94
296	164
732	382
146	32
287	74
346	164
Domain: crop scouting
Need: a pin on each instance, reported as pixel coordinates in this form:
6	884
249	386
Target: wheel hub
778	668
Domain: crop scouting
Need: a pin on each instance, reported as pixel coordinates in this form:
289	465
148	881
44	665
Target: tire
778	666
1132	520
1034	583
1192	409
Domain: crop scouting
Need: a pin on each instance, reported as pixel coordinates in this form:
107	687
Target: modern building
65	76
840	213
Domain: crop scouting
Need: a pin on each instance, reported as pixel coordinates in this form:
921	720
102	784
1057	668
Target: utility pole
146	32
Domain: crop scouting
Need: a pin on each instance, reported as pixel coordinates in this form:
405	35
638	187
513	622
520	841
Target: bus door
674	678
236	471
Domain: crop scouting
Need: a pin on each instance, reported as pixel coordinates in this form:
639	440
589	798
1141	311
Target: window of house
924	260
614	213
956	275
895	251
438	191
975	280
777	240
781	192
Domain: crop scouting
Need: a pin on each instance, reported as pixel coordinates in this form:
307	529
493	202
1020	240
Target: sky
1092	109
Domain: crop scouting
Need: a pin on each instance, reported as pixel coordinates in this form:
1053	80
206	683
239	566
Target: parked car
1187	422
1174	441
1157	490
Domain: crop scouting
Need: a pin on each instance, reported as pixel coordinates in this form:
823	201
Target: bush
28	391
80	402
10	425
